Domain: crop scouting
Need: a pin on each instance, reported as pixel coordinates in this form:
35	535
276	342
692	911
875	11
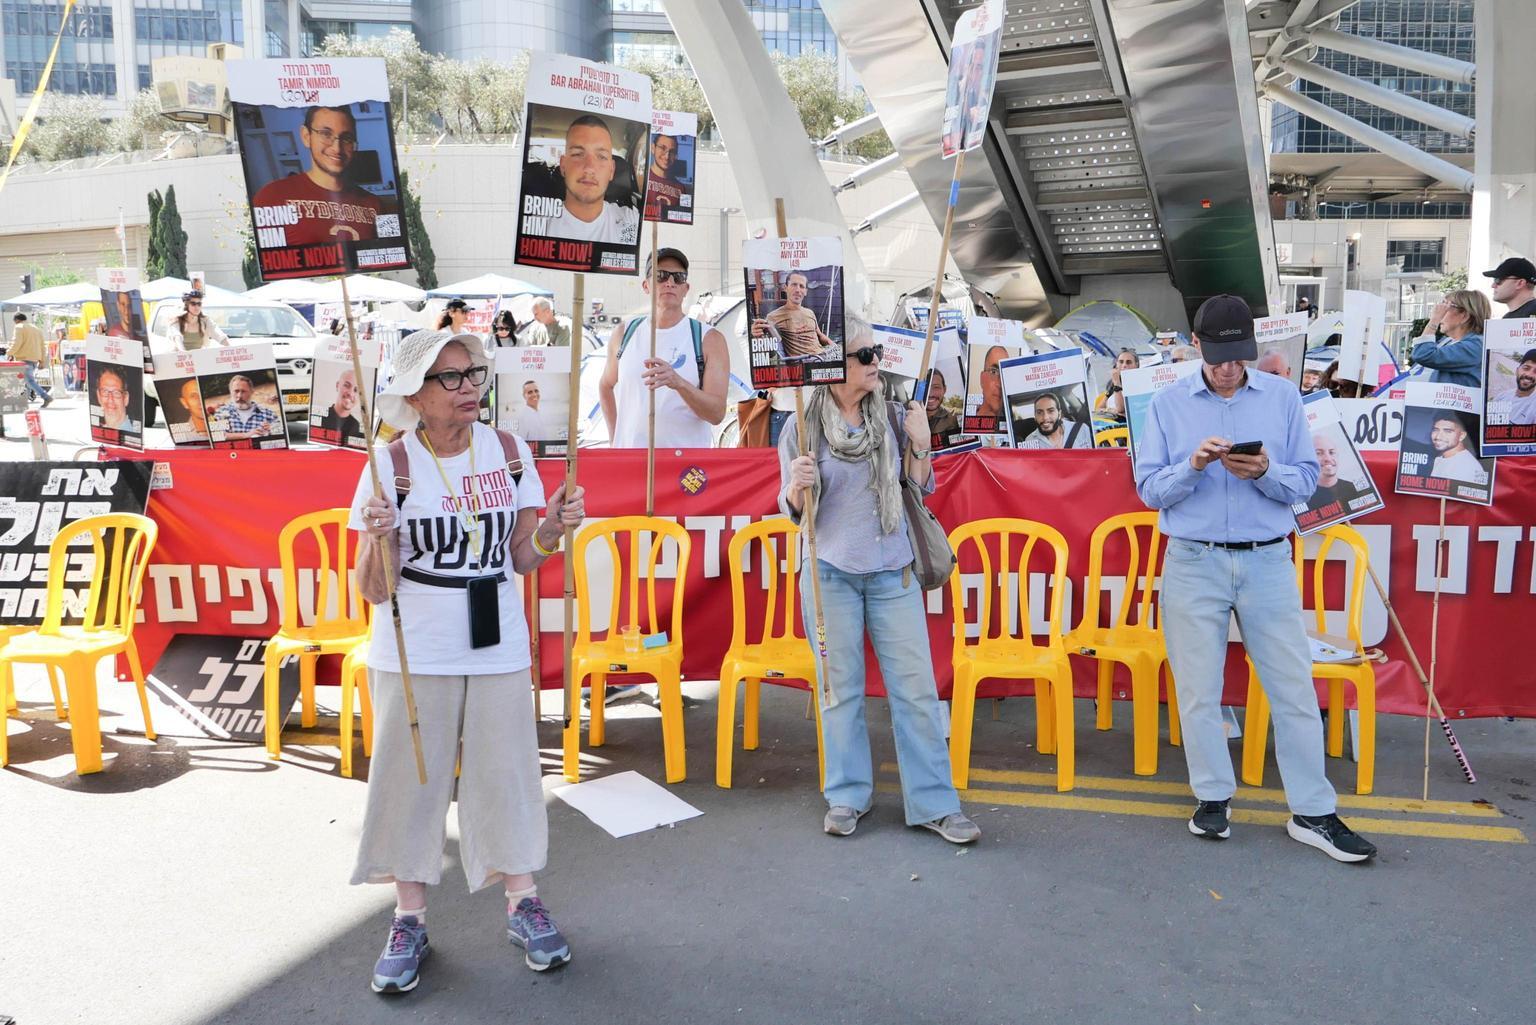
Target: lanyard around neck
467	518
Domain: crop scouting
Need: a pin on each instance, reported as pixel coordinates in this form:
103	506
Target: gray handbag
934	559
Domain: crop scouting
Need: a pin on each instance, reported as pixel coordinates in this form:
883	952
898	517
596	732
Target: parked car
246	320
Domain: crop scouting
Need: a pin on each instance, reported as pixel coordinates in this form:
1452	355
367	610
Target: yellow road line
1155	809
1465	809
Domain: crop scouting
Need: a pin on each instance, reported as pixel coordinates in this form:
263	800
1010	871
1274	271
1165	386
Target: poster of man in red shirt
317	148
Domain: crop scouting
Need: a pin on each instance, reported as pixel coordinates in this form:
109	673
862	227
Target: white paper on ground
626	803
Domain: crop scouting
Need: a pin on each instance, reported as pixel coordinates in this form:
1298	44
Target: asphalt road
195	881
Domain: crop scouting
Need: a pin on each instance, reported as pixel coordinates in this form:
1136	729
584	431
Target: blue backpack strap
698	342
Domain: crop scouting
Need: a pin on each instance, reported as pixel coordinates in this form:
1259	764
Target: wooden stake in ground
1418	668
533	641
920	388
386	551
572	738
650	437
809	517
1434	641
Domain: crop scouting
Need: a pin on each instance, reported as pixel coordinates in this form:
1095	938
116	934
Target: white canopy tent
73	294
488	286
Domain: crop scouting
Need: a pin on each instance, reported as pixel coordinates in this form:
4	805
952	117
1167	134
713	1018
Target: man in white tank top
690	400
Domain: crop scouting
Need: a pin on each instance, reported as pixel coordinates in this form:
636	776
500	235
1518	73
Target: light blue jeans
30	373
897	626
1203	587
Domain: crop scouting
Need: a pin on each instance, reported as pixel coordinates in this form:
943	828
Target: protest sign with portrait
114	378
1046	396
1282	344
671	167
1509	387
533	396
1344	489
991	340
1439	455
181	401
317	147
794	310
1143	383
586	132
335	400
977	41
241	401
123	308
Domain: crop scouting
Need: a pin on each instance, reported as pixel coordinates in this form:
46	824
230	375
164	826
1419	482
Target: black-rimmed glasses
869	354
453	380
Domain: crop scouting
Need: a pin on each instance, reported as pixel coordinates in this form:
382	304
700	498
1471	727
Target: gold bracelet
546	552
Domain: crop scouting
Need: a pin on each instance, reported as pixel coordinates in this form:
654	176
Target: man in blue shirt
1225	454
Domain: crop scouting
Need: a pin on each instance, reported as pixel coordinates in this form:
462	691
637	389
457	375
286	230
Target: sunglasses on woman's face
502	327
453	380
869	355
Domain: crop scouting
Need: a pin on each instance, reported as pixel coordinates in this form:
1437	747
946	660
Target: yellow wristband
546	552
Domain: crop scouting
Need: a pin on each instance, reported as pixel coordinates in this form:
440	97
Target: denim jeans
896	623
1203	587
777	418
30	373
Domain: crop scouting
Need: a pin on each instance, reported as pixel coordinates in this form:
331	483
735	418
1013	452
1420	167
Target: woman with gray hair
867	586
463	519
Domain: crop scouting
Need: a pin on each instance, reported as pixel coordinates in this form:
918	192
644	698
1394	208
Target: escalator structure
1123	159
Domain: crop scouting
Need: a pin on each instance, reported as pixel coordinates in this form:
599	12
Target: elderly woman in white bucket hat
463	520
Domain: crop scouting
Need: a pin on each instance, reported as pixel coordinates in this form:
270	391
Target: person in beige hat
465	519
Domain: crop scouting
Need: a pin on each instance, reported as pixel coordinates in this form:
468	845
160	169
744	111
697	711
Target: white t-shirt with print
433	539
616	225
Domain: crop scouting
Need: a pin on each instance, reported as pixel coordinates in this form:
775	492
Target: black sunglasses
503	327
870	354
453	380
677	277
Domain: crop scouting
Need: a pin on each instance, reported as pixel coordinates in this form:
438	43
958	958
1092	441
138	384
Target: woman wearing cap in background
191	328
1452	343
468	515
865	559
454	316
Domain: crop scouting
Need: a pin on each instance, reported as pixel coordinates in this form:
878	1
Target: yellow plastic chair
354	686
121	544
1362	676
633	562
781	652
334	632
7	689
1112	437
1132	637
997	654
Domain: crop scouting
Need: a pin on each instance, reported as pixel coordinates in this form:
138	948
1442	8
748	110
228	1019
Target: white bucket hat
414	355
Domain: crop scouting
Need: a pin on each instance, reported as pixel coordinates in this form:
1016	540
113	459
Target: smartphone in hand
1245	448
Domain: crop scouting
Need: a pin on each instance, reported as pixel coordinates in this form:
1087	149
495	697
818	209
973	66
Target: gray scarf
824	421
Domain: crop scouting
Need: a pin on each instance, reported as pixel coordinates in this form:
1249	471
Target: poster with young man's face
1282	344
181	400
1046	396
317	147
123	308
1439	456
114	381
794	310
336	398
973	57
533	397
1509	392
241	401
670	169
1344	489
1143	383
586	135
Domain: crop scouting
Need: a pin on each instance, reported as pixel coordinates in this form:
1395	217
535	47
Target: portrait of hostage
120	316
115	400
242	418
1054	428
801	337
342	416
990	379
1450	436
530	422
588	164
188	420
1333	458
1522	397
323	203
940	420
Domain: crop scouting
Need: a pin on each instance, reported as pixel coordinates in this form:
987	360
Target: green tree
68	128
1450	281
416	233
173	240
676	87
154	264
141	127
250	270
57	272
811	81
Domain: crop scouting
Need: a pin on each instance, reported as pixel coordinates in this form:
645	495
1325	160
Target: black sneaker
1331	836
1212	820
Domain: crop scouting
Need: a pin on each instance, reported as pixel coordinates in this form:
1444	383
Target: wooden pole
572	739
650	437
1418	668
533	641
809	517
1434	641
920	389
1365	361
386	551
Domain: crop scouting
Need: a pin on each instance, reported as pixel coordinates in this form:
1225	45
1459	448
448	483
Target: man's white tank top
677	426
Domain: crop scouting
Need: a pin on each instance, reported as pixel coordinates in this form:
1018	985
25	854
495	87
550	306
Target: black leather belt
434	580
1241	546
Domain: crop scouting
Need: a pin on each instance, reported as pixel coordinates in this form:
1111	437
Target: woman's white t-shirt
433	539
677	426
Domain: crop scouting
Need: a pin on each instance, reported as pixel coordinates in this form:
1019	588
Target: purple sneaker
530	927
398	968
